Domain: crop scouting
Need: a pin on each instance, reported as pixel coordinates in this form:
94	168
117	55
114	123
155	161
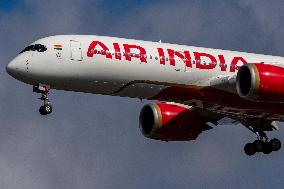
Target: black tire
258	145
41	111
47	109
275	144
250	149
267	148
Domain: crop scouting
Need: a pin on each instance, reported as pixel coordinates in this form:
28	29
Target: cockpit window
36	47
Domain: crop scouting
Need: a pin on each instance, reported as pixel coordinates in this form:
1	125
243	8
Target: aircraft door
76	50
180	65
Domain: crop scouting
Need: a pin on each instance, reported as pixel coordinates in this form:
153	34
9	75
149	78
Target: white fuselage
132	68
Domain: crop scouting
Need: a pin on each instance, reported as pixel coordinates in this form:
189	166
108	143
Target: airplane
192	88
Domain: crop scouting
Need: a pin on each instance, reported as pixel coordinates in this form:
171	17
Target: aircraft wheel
41	111
250	149
267	148
275	144
47	109
259	145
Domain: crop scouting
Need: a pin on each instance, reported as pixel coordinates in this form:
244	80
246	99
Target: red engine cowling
261	82
169	122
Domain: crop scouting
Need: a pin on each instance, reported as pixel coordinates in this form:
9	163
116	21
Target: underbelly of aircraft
215	100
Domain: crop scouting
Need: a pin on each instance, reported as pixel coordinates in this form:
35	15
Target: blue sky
121	6
8	5
116	7
93	141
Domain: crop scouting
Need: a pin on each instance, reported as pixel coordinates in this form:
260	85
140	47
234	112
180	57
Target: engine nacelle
261	82
168	122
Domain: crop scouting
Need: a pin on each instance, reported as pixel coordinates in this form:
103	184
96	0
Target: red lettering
222	63
129	55
162	56
235	61
185	57
211	65
92	49
117	51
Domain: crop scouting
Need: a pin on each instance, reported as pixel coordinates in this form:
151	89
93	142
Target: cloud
94	141
269	16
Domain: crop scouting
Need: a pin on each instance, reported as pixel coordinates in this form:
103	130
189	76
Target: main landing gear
262	145
46	108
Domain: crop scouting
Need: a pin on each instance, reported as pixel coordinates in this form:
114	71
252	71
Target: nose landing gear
262	145
46	108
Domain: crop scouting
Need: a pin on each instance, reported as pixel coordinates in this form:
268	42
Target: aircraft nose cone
12	68
16	68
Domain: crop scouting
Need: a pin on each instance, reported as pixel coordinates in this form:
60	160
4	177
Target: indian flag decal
58	47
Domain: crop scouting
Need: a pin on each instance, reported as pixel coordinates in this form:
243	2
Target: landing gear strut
46	108
262	145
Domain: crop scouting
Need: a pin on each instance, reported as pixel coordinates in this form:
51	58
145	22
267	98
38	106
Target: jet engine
168	122
261	82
